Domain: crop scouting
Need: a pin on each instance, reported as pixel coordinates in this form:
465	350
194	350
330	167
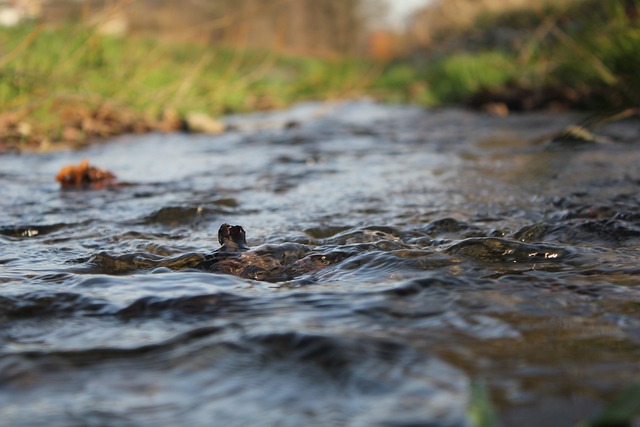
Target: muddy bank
79	124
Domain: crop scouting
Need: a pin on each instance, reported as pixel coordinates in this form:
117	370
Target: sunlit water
410	253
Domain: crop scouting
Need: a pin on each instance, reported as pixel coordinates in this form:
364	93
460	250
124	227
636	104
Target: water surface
410	253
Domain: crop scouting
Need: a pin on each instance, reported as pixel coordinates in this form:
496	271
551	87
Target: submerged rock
267	262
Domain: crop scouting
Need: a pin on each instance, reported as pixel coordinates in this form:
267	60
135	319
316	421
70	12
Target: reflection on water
396	256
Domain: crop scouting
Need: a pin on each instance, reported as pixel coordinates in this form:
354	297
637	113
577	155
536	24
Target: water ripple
395	255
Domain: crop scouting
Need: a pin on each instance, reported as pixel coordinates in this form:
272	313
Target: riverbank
580	55
66	86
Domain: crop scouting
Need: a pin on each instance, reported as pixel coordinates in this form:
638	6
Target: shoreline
86	126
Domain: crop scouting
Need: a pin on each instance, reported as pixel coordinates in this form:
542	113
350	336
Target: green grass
481	412
457	77
44	69
603	54
592	48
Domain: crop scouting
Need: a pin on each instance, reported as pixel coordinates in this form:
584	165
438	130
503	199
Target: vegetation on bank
583	54
69	84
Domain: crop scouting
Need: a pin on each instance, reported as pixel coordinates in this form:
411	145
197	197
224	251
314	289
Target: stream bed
409	254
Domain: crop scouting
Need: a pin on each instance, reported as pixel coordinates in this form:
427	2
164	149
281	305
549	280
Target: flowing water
398	256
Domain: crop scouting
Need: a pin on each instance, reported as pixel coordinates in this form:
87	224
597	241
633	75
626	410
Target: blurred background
305	26
73	70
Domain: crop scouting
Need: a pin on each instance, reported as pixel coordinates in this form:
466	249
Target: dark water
409	254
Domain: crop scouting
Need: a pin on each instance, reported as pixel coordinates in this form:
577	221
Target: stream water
410	254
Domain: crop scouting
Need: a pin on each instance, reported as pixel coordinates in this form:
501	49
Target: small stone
203	123
24	128
499	109
72	134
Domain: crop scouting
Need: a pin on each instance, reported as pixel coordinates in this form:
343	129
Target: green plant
456	77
